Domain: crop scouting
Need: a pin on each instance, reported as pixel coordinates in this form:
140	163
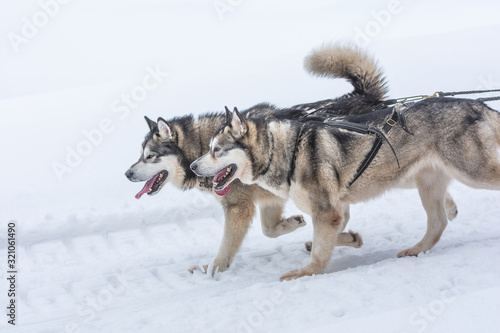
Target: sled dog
314	163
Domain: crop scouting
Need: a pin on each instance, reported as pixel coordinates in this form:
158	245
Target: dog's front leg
327	226
238	219
273	222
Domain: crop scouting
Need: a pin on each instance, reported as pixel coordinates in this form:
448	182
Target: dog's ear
164	130
152	125
229	115
238	124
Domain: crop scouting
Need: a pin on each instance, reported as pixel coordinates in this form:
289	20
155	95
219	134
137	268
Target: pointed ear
152	125
229	115
164	130
238	124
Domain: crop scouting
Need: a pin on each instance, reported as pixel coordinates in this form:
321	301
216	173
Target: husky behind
314	164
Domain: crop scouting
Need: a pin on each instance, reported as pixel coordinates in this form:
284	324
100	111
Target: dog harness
397	117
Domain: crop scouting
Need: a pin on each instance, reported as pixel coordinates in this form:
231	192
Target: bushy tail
351	63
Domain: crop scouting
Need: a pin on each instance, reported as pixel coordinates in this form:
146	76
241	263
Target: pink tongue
219	175
222	192
146	187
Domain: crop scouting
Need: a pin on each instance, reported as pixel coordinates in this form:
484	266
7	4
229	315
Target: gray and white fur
313	164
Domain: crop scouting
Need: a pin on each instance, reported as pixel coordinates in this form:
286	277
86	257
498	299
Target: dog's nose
129	174
193	166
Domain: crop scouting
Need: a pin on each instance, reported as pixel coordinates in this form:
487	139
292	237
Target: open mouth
223	178
153	185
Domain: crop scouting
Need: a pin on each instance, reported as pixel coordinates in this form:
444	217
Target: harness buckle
391	122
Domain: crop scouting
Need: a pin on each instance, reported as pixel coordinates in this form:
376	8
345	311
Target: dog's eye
216	149
150	156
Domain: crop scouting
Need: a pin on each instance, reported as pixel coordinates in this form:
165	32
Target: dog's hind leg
479	162
351	238
326	229
431	186
451	207
478	166
273	223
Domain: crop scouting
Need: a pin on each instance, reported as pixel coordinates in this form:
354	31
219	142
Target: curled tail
351	63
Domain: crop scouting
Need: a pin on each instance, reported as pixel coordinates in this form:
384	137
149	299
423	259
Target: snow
91	258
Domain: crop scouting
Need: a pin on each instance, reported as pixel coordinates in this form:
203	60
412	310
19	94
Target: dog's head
160	161
228	158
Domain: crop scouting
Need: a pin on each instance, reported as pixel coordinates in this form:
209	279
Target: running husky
316	164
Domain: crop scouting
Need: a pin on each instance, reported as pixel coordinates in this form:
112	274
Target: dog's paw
357	241
298	273
292	275
411	252
219	266
202	269
297	221
293	222
351	238
451	209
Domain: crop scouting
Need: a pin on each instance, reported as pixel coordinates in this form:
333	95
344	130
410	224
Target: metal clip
391	122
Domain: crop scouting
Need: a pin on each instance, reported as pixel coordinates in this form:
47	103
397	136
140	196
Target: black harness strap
368	160
466	92
488	99
292	163
389	124
270	157
396	117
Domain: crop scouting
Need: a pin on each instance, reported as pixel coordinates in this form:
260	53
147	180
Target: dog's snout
194	166
129	174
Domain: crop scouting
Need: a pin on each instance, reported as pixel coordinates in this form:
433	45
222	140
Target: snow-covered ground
91	258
